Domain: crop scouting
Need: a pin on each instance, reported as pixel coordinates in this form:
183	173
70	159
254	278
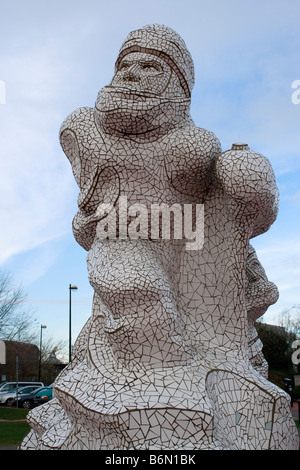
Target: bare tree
56	347
17	321
289	319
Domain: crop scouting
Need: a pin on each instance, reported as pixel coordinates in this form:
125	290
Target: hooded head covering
166	44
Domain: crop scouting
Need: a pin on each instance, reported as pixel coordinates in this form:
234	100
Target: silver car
6	399
9	386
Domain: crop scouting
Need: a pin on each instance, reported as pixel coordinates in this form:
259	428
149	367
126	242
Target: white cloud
36	182
294	198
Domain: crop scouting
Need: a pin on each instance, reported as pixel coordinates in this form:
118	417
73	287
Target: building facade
18	360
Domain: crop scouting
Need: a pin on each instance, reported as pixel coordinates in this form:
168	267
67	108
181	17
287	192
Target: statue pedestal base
183	408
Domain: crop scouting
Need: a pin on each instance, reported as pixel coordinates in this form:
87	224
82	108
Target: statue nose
132	74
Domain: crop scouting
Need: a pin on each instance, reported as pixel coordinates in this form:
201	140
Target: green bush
277	376
277	342
296	392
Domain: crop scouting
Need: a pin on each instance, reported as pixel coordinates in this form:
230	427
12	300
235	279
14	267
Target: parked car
42	396
8	386
25	400
7	398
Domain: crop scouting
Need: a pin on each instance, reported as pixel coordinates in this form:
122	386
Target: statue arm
248	179
71	135
78	126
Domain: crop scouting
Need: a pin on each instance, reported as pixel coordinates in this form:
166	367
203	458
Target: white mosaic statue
165	360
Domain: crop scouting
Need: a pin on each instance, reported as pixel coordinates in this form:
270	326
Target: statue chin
130	113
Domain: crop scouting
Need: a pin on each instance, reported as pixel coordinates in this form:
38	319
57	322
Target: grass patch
12	413
12	432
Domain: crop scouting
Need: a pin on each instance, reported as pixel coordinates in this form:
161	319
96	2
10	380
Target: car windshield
37	390
7	388
30	389
44	391
13	390
29	392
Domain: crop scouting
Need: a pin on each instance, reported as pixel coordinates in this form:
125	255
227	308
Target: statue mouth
129	92
125	97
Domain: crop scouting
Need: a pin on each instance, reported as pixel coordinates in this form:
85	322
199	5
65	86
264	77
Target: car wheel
26	404
9	402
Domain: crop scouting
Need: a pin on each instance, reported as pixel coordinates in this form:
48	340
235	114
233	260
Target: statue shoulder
77	120
248	179
208	140
74	132
197	141
190	159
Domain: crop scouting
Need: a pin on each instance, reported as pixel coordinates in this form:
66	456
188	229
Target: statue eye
123	66
255	266
150	67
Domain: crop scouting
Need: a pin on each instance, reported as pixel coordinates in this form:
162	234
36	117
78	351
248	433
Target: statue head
151	89
158	41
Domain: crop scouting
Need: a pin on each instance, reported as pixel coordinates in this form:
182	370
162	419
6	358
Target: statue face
141	72
145	98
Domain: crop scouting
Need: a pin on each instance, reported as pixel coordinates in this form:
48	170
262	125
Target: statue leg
142	321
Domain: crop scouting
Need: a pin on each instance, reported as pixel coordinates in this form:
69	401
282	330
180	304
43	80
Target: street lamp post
40	361
70	320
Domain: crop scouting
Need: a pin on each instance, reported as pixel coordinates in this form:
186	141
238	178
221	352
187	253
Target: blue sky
55	57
